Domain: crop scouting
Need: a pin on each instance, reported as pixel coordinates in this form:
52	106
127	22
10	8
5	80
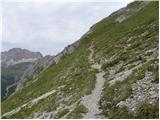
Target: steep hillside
42	64
9	76
112	73
14	62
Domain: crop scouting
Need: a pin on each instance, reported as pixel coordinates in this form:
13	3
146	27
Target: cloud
49	27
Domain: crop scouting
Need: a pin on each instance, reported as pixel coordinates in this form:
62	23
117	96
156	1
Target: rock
121	75
67	50
18	55
121	18
142	90
126	12
121	104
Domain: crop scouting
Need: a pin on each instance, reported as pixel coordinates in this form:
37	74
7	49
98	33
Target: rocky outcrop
131	8
35	68
67	50
143	90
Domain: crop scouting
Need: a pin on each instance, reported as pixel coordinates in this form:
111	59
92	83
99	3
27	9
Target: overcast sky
50	26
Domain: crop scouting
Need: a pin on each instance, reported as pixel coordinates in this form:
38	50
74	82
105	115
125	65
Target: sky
49	26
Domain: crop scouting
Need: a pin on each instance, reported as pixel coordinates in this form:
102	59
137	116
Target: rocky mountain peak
18	55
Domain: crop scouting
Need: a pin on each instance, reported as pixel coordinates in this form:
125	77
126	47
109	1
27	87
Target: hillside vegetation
127	51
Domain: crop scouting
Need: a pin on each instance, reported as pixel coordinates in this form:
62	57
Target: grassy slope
113	42
74	70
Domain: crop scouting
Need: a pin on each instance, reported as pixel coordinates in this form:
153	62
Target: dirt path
91	101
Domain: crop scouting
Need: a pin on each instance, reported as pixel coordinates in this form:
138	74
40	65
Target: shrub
62	113
110	63
120	113
148	111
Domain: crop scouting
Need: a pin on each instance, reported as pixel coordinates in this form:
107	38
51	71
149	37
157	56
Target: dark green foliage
120	113
148	111
10	75
110	63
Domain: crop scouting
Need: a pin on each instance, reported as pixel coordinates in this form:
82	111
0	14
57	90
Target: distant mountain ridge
18	55
14	63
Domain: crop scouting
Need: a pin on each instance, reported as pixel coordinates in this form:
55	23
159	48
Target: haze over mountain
112	71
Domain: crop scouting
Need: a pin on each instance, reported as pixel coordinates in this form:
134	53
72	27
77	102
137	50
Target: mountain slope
9	76
14	62
18	55
127	49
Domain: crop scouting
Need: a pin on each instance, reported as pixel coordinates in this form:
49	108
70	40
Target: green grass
121	90
120	113
148	111
74	72
77	112
110	39
105	43
115	43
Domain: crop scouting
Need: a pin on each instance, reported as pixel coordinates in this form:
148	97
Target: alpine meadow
111	72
